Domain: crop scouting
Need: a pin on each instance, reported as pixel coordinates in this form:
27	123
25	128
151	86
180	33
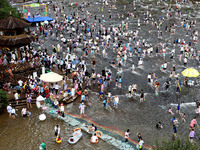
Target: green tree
178	144
5	9
4	99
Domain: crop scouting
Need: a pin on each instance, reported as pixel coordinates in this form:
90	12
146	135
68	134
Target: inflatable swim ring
94	142
99	132
58	141
77	129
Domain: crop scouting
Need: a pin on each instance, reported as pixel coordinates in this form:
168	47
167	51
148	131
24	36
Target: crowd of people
88	32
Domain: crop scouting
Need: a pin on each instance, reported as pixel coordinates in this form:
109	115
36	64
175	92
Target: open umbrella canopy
190	72
42	117
40	98
75	62
51	77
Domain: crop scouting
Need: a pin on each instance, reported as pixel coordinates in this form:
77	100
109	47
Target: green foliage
5	9
4	99
178	144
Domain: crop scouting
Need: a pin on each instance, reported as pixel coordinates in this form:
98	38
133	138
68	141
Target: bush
4	99
5	9
178	144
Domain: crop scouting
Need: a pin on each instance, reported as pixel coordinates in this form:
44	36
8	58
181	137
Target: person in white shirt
133	67
20	82
109	96
129	90
13	56
140	62
141	142
185	61
16	96
127	134
61	64
13	113
116	101
9	109
165	66
23	112
62	109
82	109
68	68
56	103
73	93
94	138
149	78
56	87
57	130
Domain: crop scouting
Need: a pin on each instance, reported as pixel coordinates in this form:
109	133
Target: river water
28	133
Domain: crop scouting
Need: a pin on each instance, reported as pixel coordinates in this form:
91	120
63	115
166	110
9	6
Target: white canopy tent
51	77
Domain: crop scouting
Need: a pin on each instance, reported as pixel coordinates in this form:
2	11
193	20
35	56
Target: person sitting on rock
92	128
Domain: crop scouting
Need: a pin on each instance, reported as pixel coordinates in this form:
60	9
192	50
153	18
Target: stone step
22	106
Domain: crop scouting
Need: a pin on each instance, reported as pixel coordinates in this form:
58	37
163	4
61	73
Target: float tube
75	136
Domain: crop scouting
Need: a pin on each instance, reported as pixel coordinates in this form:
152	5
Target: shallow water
28	133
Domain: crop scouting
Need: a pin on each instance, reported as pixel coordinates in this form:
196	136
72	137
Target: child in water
58	139
170	111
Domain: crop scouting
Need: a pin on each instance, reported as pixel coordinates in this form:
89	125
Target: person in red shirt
40	28
193	123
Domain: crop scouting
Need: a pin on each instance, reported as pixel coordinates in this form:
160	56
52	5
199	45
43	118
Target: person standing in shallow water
9	109
62	109
127	135
191	136
174	130
82	109
116	101
141	96
13	113
57	130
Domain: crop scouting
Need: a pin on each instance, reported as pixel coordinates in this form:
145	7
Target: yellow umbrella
190	72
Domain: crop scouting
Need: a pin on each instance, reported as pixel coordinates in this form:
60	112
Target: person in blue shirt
100	94
174	130
100	81
120	81
178	109
130	48
139	50
83	98
104	103
18	89
178	85
173	119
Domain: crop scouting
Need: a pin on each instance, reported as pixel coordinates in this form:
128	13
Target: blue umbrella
75	62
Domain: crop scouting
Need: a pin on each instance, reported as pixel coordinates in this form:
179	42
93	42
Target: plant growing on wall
4	99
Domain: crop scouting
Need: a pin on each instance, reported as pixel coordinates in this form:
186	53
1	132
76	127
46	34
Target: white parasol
46	22
42	117
51	77
40	98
